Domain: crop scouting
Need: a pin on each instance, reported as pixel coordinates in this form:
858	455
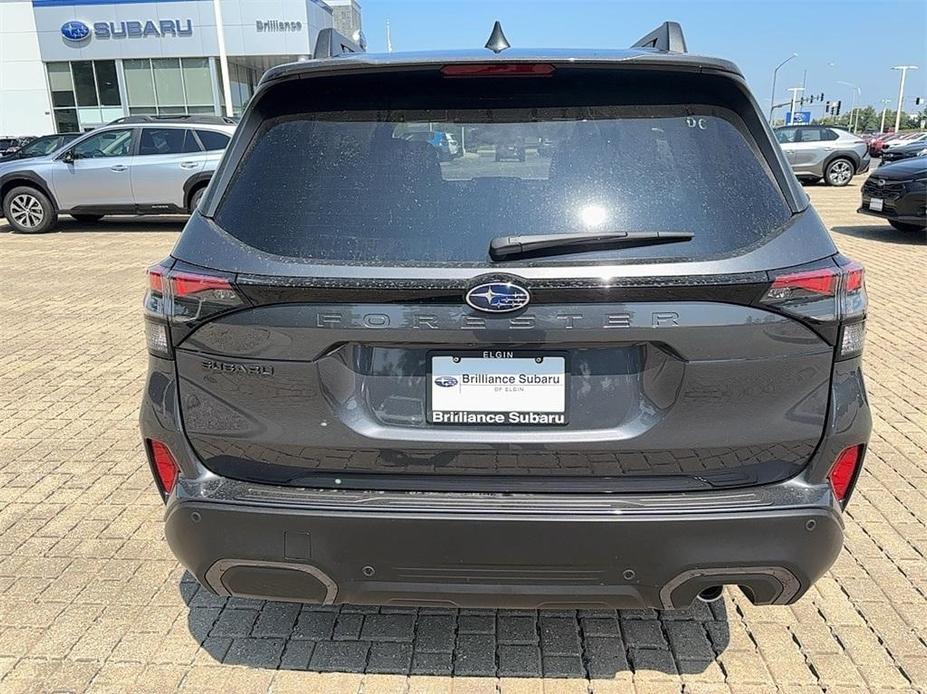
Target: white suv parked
137	165
819	151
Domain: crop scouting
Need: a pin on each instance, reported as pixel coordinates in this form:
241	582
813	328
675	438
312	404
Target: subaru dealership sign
125	29
77	31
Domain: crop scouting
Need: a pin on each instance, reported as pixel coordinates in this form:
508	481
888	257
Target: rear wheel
29	211
196	197
87	218
904	226
839	172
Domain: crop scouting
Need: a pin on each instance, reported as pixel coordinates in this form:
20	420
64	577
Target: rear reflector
843	472
165	466
499	70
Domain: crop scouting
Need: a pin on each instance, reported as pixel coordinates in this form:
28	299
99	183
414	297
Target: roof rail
178	118
666	37
331	44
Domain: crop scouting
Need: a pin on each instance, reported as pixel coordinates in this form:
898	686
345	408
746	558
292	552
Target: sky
836	40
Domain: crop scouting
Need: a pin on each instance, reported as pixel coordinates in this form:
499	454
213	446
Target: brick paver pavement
91	599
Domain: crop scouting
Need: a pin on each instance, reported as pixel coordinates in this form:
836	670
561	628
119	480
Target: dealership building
72	65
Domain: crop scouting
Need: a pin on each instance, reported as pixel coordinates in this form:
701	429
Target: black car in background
901	152
40	146
898	193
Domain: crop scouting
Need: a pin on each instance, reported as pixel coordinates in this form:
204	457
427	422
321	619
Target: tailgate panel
662	395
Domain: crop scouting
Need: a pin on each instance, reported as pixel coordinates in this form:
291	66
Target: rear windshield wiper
505	247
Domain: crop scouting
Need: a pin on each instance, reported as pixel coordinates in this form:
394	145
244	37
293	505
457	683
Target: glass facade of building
106	59
169	86
88	93
84	94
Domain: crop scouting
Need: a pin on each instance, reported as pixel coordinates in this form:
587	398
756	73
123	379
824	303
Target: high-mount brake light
498	70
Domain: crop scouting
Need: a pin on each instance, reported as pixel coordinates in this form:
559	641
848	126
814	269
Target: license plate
496	388
875	204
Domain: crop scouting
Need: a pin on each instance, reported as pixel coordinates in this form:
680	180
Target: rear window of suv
381	186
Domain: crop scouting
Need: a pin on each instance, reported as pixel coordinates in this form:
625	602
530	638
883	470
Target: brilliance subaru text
623	373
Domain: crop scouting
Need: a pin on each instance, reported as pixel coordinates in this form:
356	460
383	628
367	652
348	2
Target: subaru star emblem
446	381
498	297
75	30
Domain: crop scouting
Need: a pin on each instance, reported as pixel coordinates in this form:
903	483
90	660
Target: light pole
223	58
795	91
904	71
885	103
772	97
856	92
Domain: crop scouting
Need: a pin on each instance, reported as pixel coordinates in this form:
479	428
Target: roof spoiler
666	37
331	44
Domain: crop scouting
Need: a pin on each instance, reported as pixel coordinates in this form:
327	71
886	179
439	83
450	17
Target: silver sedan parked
817	151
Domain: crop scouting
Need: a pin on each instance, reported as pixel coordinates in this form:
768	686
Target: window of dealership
88	93
105	60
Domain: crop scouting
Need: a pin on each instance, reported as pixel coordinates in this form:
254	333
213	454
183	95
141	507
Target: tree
867	118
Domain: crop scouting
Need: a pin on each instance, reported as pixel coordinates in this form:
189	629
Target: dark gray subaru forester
584	344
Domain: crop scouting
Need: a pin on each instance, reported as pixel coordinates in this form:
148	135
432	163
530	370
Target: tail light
844	471
833	295
163	464
181	297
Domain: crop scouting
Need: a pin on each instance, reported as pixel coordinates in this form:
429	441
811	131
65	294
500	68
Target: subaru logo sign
446	381
75	30
498	297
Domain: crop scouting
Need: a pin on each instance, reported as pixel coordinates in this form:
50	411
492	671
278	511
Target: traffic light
918	101
827	107
837	107
821	97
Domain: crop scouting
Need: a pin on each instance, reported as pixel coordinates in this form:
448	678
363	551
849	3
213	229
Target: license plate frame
547	418
876	204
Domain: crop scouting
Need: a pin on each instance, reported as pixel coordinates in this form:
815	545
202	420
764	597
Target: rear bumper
505	550
403	549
